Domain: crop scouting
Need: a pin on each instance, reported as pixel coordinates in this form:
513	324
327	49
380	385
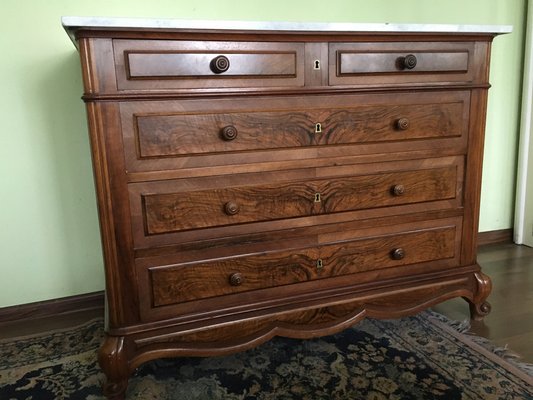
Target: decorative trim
214	93
48	308
495	237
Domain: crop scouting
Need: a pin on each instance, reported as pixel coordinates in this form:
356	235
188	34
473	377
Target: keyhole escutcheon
316	64
318	127
319	264
318	198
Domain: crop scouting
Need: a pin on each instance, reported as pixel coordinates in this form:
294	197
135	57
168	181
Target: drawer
166	209
184	282
188	134
397	63
162	64
170	135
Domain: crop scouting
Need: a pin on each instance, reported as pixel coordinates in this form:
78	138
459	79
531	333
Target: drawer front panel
396	63
189	64
170	212
185	65
187	134
191	281
177	135
391	62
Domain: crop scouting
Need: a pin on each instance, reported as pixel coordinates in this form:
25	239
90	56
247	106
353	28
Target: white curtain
523	226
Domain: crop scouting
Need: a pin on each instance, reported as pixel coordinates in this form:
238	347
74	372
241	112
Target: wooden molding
65	305
495	237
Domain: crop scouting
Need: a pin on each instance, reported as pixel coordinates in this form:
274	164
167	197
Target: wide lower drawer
188	134
175	64
178	211
169	212
368	63
171	135
434	242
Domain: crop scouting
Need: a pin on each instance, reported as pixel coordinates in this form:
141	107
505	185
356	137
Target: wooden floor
509	324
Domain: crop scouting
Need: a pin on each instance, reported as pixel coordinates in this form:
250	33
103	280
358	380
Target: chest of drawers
256	180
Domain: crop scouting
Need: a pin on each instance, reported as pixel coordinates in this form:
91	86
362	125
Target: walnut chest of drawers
256	180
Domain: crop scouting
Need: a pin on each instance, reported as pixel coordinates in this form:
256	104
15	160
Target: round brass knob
219	64
231	208
236	279
408	62
402	124
228	133
398	190
397	254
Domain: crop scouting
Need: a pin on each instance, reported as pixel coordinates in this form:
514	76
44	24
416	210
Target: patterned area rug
421	357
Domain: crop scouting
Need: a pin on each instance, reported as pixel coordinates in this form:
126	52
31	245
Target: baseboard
495	237
65	305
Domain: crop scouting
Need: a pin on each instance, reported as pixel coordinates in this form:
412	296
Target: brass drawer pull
228	133
398	190
219	64
231	208
408	62
397	254
402	124
236	279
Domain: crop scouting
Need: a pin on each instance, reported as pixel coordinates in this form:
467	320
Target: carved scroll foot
479	307
478	311
112	360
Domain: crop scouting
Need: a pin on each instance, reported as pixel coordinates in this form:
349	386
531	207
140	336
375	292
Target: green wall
49	238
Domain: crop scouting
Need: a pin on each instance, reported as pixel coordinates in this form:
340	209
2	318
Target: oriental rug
420	357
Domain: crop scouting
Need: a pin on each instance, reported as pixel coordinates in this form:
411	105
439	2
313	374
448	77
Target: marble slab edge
73	24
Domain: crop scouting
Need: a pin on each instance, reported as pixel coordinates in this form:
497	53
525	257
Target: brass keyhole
319	264
318	128
317	64
318	199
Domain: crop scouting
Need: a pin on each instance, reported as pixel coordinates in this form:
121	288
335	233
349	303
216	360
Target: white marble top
72	24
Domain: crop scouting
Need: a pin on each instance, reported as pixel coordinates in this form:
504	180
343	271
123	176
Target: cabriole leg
479	307
112	360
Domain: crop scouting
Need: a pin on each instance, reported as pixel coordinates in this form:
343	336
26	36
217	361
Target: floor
510	322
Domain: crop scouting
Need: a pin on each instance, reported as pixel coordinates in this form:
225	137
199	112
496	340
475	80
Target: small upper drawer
398	63
157	64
